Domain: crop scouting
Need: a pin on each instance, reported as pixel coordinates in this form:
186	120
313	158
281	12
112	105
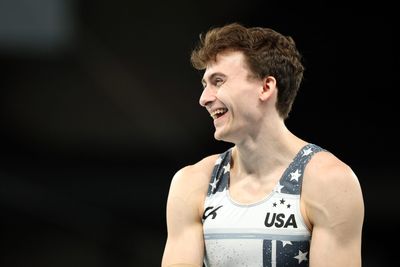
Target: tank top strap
292	179
220	175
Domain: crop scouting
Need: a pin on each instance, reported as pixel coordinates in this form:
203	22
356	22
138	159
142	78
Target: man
273	199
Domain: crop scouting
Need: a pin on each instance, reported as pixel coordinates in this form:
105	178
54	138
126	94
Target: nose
207	96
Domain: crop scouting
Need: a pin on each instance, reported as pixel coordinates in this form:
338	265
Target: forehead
227	63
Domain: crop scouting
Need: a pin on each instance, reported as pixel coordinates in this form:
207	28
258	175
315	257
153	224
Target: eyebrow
212	76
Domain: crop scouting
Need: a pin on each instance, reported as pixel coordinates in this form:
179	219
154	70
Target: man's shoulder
190	183
326	164
331	191
326	172
196	174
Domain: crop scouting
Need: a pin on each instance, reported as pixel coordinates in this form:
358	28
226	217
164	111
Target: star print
213	185
301	257
284	243
282	201
226	168
288	206
278	188
219	160
307	151
274	204
295	175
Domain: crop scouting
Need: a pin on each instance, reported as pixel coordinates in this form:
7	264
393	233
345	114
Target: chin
218	136
222	136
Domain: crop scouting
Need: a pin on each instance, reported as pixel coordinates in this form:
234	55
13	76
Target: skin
331	201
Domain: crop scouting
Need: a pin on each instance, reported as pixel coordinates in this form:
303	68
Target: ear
269	87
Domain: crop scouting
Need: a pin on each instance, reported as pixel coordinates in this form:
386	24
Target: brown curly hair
267	53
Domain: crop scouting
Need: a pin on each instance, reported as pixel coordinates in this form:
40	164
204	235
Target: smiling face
232	96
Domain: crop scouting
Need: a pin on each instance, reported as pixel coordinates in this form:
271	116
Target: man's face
231	96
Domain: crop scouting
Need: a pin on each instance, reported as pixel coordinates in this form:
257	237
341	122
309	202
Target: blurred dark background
99	109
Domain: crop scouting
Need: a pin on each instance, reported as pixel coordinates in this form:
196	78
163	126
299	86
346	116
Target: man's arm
185	244
335	208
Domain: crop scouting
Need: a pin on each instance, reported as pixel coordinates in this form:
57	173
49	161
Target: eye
218	82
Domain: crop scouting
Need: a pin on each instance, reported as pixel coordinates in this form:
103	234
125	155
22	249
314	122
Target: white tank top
270	232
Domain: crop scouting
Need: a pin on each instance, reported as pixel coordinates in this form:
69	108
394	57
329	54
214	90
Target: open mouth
218	113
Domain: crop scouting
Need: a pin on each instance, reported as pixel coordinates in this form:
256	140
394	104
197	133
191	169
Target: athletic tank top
268	233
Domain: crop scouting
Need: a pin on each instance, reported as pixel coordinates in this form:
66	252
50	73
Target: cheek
241	103
248	101
246	109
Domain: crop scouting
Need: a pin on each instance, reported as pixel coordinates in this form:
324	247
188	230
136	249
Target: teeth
217	112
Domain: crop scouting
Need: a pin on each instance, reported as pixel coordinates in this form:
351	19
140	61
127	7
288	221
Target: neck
272	147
